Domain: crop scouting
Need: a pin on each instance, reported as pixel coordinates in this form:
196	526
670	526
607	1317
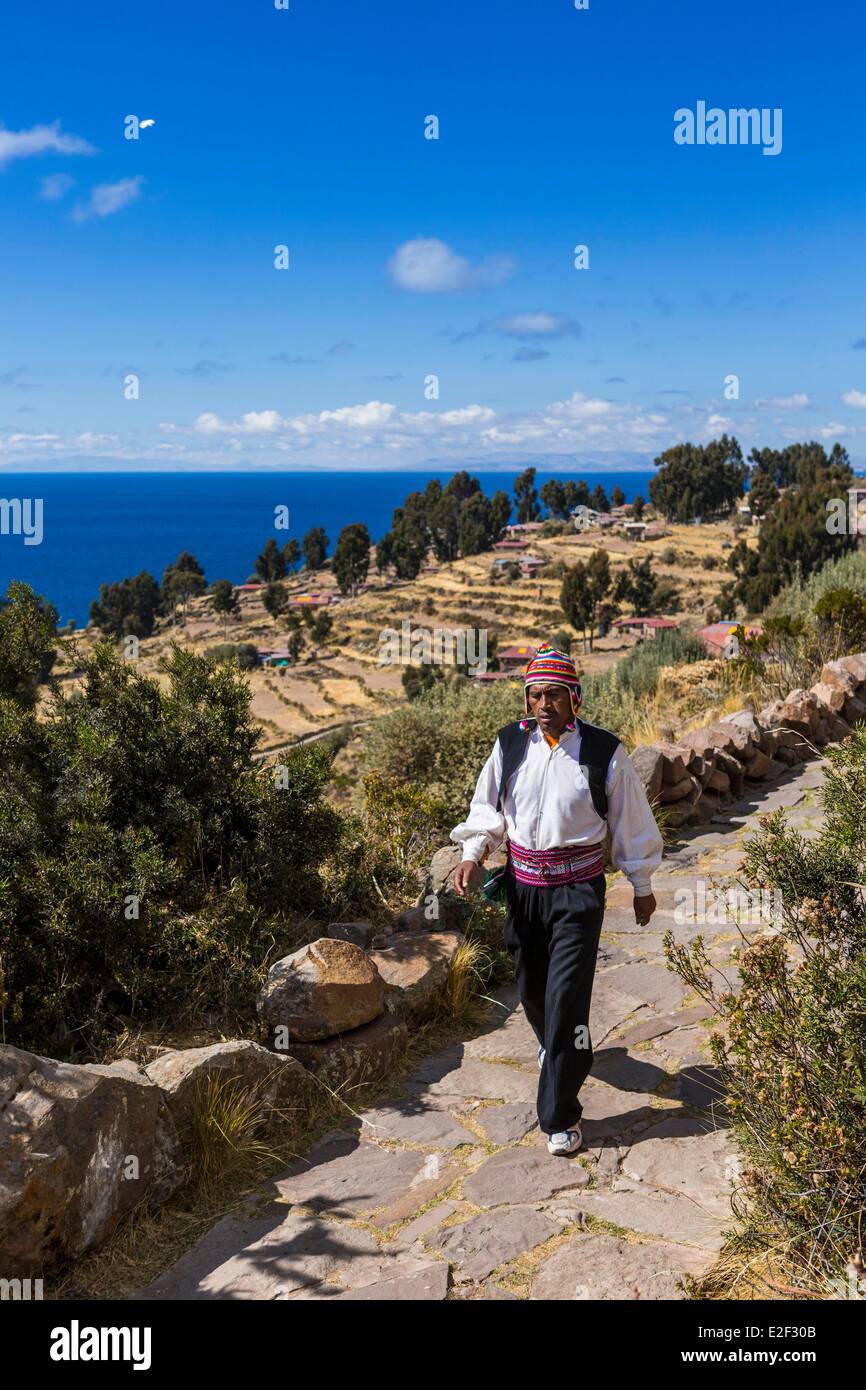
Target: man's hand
643	908
463	876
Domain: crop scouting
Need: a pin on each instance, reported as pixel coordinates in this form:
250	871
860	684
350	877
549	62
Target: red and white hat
552	667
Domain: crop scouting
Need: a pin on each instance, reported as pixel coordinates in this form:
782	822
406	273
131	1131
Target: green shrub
793	1060
146	855
245	653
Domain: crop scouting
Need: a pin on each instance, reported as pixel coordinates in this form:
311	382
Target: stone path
448	1190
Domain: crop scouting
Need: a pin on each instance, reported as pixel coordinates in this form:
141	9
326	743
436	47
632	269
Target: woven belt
547	868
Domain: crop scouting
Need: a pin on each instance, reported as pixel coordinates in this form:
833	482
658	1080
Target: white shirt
548	804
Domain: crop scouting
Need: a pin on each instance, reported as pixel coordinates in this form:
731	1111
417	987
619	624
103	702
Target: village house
644	627
716	637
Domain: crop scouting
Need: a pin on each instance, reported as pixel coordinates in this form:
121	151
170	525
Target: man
562	777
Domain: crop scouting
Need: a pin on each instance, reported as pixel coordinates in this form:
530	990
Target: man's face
551	706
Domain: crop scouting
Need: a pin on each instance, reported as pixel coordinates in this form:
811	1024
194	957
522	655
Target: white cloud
538	325
40	139
429	266
798	401
855	398
107	198
253	422
55	186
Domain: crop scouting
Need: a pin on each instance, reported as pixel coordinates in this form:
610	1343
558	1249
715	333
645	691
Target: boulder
801	707
830	695
326	987
675	763
718	781
359	933
835	674
726	762
756	767
80	1147
436	914
675	791
648	762
856	665
357	1058
442	866
415	969
277	1085
761	736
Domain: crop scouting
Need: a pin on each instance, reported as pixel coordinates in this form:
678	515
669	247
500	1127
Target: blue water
101	527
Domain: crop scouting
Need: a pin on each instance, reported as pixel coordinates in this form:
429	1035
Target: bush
441	740
146	855
245	653
793	1060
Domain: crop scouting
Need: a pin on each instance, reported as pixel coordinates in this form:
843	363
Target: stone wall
81	1146
706	768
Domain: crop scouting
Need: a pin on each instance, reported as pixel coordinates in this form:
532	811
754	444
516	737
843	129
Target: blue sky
411	257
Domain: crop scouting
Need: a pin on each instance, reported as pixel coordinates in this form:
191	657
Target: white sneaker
541	1052
566	1142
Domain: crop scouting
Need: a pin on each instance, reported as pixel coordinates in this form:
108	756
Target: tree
698	480
292	555
598	501
636	586
526	497
553	496
763	493
271	564
128	608
461	486
275	600
617	497
577	494
28	631
794	533
180	582
444	522
410	537
500	510
351	559
476	526
224	601
576	599
637	507
315	546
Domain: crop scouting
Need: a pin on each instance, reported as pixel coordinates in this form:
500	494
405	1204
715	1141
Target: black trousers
553	936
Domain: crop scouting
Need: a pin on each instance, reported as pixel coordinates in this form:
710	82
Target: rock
648	762
776	768
478	1246
830	695
799	708
835	674
80	1146
437	914
854	710
277	1085
837	729
683	813
675	791
325	988
718	781
359	933
674	764
442	866
856	665
756	767
592	1267
415	969
355	1058
726	762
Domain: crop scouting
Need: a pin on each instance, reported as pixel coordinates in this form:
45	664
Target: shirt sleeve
636	842
484	827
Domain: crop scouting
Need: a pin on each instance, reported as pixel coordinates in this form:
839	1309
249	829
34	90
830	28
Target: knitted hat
552	667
